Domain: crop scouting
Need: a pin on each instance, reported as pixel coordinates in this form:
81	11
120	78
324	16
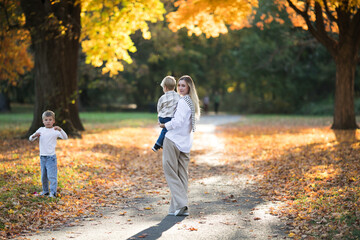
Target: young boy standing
47	142
166	107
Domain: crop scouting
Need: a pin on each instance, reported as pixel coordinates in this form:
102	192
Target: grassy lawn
16	123
287	120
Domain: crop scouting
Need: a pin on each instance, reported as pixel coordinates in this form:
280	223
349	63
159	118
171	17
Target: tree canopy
334	23
107	26
110	28
105	33
15	58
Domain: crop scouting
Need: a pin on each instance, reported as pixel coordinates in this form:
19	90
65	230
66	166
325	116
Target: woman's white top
180	126
48	139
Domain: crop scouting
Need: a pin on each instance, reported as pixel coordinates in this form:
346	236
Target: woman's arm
181	115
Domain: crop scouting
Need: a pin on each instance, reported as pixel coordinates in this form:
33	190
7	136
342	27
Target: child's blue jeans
49	173
160	140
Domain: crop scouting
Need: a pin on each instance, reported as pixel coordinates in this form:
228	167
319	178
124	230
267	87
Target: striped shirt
167	104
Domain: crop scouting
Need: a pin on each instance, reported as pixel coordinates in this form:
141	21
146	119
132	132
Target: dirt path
222	206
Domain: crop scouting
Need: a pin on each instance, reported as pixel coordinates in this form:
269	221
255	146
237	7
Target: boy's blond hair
48	113
169	82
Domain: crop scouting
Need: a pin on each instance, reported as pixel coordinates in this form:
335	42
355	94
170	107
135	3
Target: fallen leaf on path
144	235
192	229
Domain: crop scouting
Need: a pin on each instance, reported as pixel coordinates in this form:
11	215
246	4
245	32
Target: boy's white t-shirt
48	139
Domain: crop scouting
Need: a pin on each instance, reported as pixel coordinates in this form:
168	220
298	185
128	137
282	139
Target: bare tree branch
319	32
319	22
328	12
355	27
297	10
10	26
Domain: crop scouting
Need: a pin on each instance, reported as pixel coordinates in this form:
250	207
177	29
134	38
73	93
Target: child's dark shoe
156	148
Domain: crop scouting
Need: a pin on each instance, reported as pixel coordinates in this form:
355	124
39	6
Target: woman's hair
169	82
193	94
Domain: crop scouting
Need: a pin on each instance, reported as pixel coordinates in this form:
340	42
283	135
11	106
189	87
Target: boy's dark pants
160	140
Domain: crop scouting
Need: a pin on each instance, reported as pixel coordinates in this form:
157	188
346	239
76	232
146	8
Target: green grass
16	123
103	120
287	120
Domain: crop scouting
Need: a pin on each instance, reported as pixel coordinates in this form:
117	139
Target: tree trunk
56	61
344	110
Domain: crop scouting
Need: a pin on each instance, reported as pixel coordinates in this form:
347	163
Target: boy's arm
63	134
34	135
160	103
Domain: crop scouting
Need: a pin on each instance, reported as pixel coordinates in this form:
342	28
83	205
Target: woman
177	143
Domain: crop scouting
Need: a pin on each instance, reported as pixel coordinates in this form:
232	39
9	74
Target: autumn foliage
107	26
15	59
312	170
100	170
211	17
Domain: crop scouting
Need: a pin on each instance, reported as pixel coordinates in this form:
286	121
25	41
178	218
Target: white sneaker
182	212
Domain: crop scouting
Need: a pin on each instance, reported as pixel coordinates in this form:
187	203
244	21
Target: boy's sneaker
156	147
44	194
52	195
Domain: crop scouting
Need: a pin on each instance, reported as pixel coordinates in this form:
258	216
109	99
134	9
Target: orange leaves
192	229
312	169
211	17
101	169
15	59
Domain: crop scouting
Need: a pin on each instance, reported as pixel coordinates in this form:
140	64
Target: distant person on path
177	145
216	102
47	142
166	107
206	102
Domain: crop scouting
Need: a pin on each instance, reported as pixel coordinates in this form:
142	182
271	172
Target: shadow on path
156	231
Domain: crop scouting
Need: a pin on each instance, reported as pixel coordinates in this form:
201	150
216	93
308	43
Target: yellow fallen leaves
314	170
101	169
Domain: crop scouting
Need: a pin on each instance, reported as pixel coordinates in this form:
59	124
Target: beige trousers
175	164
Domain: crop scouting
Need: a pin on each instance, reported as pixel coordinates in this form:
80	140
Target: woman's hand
162	125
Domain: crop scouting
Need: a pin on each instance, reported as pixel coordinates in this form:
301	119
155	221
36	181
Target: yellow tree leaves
211	17
15	59
107	26
106	29
14	42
